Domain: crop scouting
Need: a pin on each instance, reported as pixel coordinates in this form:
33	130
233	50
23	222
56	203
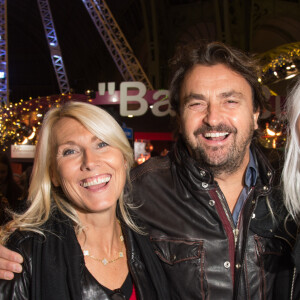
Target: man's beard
235	153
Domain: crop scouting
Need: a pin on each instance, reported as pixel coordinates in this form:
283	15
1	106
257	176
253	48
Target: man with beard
211	208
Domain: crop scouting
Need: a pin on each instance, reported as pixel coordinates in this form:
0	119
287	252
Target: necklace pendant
104	261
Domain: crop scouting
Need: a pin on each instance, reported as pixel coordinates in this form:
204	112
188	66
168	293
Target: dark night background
255	26
153	29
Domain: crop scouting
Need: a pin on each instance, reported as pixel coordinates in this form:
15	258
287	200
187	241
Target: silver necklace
104	260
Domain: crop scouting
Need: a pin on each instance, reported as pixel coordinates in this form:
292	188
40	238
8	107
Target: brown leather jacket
191	228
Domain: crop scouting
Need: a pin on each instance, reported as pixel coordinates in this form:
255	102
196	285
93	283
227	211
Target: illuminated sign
134	99
22	151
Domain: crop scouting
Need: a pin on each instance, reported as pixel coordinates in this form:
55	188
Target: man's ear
255	119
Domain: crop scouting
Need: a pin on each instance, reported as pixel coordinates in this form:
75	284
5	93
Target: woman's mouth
98	180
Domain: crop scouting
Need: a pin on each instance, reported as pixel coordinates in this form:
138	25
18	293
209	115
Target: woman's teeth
96	181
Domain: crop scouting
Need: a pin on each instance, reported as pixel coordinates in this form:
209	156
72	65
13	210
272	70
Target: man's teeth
96	181
215	134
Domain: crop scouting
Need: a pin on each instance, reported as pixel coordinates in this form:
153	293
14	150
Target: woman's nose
89	160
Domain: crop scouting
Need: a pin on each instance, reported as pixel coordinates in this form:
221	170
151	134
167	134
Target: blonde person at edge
291	182
77	238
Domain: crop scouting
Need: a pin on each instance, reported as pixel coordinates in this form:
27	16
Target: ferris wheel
108	29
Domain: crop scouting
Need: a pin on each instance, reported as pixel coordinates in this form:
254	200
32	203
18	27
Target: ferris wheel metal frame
108	29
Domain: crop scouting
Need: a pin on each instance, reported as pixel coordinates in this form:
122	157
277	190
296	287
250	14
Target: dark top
54	266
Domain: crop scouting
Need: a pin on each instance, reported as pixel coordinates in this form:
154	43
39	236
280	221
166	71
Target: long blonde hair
291	169
43	196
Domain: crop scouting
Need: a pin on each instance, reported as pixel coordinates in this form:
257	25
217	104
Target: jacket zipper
224	203
293	284
225	207
236	235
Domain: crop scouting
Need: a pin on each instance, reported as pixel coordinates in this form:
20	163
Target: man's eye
102	144
232	101
196	105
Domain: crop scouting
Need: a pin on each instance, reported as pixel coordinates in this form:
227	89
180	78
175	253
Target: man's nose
213	115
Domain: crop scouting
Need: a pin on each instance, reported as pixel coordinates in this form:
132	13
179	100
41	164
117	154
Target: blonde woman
291	177
77	238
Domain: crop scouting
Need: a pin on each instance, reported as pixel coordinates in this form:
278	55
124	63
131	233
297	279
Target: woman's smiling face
91	173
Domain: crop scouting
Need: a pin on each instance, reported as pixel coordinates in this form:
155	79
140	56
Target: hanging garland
280	63
20	122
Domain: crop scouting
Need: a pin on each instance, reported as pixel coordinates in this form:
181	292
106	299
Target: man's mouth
99	180
216	136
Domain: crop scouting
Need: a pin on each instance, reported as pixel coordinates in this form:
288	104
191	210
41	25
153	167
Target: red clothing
133	295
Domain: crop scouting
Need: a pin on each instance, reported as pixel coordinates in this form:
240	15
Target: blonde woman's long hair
42	195
291	169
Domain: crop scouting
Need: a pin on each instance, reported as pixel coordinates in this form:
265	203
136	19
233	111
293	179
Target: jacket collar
190	169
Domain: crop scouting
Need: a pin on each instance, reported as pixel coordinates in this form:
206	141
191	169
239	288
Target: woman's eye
102	144
67	152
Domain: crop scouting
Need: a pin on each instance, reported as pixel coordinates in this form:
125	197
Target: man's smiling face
216	117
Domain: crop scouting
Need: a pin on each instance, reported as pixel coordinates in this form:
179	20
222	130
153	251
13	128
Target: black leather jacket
79	284
192	231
